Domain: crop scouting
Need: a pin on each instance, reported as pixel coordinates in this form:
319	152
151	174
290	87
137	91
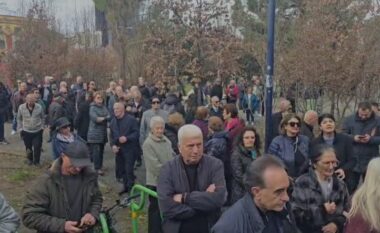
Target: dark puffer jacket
216	145
97	131
240	160
172	134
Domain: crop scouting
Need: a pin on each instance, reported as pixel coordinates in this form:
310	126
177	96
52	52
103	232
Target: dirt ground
16	177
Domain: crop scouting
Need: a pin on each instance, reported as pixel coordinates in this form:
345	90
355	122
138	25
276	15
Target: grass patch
21	175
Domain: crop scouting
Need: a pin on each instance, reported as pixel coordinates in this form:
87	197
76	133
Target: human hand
330	207
340	174
123	139
177	198
330	228
211	188
71	227
100	119
366	138
87	220
115	149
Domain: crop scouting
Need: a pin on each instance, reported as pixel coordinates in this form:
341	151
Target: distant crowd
200	154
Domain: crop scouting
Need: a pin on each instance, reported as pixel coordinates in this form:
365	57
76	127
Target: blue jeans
2	118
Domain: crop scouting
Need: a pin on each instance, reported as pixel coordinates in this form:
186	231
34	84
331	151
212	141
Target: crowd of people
201	155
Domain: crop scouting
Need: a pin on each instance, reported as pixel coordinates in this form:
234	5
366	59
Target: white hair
188	131
156	120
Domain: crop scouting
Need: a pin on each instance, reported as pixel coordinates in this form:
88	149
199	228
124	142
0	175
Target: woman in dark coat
82	118
97	131
216	144
175	121
341	143
246	151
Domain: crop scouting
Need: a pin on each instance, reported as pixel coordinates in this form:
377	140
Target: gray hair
254	175
156	120
188	131
215	98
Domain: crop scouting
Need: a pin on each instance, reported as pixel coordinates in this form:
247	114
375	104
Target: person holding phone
339	141
363	128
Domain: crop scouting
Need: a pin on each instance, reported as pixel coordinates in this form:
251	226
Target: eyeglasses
155	102
65	126
293	124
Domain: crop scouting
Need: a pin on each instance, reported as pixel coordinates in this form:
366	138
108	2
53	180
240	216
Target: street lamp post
271	17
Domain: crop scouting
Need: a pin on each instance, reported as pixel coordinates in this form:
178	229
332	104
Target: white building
70	15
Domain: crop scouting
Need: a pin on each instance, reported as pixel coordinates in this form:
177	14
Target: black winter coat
4	101
244	217
363	153
172	134
216	145
82	119
240	161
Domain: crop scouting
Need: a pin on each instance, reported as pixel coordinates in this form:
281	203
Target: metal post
270	68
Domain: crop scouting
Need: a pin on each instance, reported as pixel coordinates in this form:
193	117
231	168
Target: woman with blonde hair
364	215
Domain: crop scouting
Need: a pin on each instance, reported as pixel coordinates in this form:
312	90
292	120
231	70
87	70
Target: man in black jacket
363	128
4	104
263	209
191	187
124	140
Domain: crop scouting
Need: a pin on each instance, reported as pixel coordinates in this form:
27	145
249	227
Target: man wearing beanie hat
67	198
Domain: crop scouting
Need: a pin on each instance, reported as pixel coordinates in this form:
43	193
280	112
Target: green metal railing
137	208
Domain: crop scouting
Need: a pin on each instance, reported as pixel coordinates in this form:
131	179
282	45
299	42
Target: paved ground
16	177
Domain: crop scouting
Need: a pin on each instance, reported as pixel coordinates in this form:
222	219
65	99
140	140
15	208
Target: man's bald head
311	117
284	105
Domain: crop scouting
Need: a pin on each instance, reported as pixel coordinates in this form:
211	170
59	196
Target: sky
65	11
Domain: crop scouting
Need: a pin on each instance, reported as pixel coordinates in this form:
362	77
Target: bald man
284	108
310	120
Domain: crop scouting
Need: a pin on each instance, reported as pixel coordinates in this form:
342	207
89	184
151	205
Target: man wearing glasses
215	109
67	198
147	115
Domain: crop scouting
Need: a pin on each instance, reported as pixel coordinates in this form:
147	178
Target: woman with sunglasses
291	147
319	199
340	142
